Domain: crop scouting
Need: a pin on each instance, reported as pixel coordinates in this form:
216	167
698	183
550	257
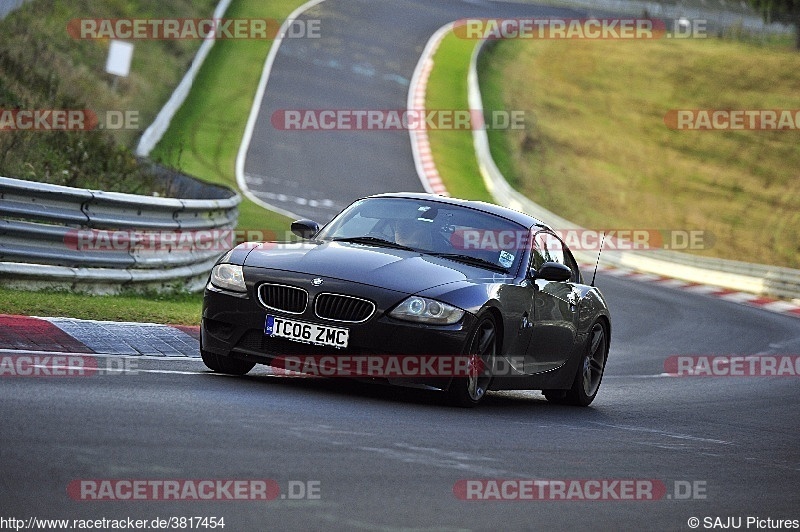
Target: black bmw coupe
415	290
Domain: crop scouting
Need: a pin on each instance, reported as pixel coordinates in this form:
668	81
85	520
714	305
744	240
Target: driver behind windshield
413	234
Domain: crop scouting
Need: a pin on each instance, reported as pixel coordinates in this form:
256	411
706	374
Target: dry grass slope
596	125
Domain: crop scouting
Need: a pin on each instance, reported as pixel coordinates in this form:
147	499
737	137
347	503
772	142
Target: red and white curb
420	143
69	335
744	298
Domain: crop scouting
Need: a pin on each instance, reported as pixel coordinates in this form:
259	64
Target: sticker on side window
506	259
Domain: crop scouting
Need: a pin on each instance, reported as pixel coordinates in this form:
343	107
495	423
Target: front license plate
309	333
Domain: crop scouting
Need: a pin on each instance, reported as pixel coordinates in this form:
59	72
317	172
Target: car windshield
450	231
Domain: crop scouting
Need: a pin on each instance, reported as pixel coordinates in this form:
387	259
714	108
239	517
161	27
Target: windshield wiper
373	240
472	261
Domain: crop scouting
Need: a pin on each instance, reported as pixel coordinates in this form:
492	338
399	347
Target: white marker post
120	55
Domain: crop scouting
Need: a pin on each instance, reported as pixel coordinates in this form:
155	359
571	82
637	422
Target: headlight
426	310
228	277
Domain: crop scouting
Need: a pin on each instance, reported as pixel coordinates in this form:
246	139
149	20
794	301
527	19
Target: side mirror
305	228
551	271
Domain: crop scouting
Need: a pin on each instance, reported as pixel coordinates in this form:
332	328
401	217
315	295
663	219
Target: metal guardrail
755	278
52	235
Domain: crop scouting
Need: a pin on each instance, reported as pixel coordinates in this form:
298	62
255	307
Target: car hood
403	271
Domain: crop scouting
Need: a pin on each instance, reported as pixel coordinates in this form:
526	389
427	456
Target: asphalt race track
381	458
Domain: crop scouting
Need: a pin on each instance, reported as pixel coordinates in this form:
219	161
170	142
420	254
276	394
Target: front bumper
233	325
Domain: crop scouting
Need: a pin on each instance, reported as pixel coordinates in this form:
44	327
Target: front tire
223	364
469	391
590	371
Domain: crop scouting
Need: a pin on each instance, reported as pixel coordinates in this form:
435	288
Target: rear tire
223	364
590	371
469	391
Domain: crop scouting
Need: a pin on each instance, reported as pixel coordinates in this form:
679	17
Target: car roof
504	212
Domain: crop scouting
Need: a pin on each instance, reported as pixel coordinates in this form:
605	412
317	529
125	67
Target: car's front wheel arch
498	322
481	350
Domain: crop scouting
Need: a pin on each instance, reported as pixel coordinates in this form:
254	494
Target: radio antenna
596	264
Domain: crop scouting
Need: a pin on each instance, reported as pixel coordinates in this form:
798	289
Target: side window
539	253
556	249
547	247
576	272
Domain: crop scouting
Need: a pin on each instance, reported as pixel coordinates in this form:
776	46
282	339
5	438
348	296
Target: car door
554	308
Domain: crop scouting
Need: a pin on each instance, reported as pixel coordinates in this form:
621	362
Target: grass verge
176	309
